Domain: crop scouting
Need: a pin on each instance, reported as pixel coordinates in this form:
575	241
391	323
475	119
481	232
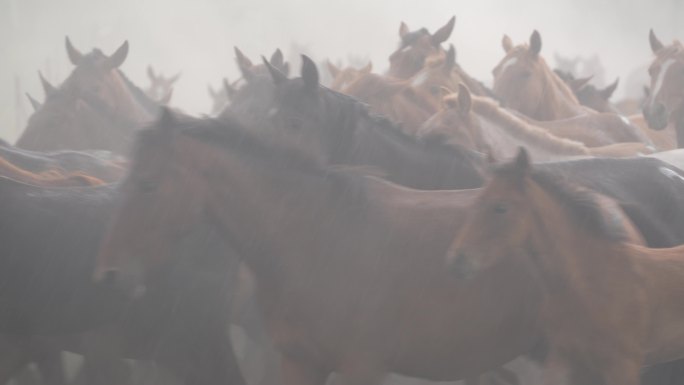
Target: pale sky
197	36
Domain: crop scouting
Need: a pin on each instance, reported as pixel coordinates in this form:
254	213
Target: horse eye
293	123
500	208
434	90
526	74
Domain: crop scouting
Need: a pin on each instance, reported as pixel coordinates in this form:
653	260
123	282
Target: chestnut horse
388	240
665	104
480	124
596	282
343	77
96	107
416	47
161	87
524	82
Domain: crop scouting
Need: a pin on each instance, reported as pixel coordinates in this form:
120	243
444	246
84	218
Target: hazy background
196	37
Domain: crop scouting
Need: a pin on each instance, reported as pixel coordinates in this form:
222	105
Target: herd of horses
357	230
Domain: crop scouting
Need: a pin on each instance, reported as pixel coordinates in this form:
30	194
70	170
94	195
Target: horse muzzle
459	265
129	280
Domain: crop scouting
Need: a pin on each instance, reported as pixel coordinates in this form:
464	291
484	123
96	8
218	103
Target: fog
196	37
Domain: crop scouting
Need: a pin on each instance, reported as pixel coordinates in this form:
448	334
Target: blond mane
490	110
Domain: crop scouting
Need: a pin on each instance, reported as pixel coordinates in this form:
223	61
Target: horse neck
568	259
411	163
281	207
558	101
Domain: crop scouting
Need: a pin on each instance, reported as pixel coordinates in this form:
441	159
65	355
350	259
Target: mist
197	37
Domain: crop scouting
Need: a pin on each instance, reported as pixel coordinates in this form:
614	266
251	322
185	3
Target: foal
609	306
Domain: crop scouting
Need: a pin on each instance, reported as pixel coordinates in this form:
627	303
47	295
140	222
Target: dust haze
197	37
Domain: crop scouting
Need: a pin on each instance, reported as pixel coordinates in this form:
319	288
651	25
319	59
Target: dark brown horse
386	239
589	95
583	257
96	107
49	302
665	104
416	47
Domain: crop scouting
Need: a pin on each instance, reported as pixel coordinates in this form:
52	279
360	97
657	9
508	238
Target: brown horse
161	87
524	82
589	95
665	104
388	240
610	306
480	124
416	47
50	178
396	99
96	107
444	71
343	77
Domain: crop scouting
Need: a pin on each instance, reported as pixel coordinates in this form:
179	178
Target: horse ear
506	43
277	76
277	58
450	60
465	100
535	43
368	68
403	30
443	33
34	103
521	164
607	92
47	87
334	71
75	55
244	64
167	121
150	73
447	98
656	45
309	74
118	57
578	84
230	91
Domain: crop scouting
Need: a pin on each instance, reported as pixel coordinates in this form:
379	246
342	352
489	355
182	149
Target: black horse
50	238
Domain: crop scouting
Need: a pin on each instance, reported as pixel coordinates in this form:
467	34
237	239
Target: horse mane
582	205
386	127
558	82
140	96
517	127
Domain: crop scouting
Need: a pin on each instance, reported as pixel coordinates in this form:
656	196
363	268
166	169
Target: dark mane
582	205
148	104
229	134
344	105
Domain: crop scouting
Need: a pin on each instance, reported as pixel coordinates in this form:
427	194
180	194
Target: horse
580	252
161	87
589	95
343	77
358	331
524	82
50	303
415	47
96	107
665	103
480	124
221	97
444	71
344	132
